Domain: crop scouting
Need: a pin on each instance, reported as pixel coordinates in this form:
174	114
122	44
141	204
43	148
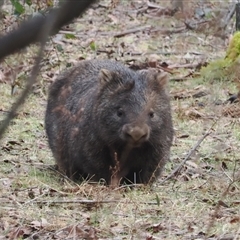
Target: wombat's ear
162	79
105	76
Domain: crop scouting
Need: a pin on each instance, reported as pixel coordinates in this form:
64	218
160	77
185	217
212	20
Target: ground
201	202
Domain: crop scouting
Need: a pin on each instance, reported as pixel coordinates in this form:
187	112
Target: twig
152	5
84	201
193	26
168	31
139	29
177	169
229	16
45	31
188	65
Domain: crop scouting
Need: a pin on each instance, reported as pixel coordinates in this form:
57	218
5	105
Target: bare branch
43	36
37	30
29	31
192	150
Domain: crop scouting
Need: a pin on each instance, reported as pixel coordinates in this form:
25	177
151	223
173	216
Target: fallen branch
178	169
168	31
139	29
188	65
84	201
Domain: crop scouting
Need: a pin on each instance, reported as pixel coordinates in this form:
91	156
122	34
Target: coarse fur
106	121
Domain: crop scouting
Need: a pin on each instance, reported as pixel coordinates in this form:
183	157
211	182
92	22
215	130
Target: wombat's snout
135	135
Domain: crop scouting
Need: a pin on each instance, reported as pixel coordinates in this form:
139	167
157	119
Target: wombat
106	121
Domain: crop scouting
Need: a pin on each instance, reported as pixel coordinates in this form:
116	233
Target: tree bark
238	16
29	31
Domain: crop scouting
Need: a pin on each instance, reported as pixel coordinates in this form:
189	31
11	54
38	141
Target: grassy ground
202	202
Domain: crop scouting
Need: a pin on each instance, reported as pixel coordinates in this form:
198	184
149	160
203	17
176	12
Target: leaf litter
201	201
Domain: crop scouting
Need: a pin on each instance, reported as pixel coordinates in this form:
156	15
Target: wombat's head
132	107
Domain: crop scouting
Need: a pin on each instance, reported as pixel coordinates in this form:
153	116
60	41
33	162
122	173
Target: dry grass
202	202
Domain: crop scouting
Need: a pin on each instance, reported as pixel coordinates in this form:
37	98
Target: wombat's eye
120	112
151	114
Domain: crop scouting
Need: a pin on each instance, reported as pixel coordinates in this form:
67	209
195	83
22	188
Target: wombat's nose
136	133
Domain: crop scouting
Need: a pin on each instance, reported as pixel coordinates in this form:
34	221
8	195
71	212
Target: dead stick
188	65
228	17
58	201
122	34
177	170
84	201
168	31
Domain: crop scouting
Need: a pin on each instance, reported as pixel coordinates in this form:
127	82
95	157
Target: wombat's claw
115	181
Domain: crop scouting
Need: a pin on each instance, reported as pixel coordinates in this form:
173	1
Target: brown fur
105	121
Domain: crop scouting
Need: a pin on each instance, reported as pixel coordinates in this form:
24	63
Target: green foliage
93	46
225	68
70	36
217	70
18	7
157	200
233	50
29	2
28	6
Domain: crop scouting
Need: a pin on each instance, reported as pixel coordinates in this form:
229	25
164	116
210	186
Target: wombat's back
83	80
